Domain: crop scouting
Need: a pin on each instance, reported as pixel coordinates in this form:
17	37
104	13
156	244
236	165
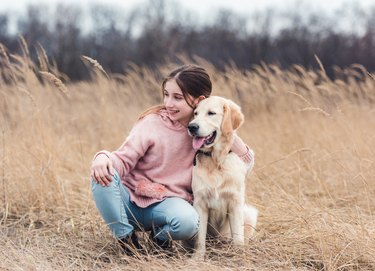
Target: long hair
193	80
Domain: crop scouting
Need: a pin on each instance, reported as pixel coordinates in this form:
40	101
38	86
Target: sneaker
130	245
189	245
164	247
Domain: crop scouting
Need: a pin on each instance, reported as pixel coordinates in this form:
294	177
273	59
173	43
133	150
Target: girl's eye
210	113
165	93
179	98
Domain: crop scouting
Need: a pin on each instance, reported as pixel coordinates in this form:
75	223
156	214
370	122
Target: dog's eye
195	113
210	113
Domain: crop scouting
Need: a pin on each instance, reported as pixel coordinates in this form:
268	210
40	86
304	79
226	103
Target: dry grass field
313	181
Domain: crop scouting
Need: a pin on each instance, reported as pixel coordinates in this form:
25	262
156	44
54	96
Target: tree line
160	31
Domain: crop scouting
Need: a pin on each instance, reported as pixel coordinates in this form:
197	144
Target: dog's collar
205	153
209	154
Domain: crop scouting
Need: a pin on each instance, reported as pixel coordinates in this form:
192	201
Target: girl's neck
184	123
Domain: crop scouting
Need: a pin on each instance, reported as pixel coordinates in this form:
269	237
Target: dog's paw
238	242
198	256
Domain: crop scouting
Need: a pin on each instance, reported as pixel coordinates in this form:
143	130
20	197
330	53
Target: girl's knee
186	224
97	186
94	184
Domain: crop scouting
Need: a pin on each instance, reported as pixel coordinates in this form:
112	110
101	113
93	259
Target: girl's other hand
102	170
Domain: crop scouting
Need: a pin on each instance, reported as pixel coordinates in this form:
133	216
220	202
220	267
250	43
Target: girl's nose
168	102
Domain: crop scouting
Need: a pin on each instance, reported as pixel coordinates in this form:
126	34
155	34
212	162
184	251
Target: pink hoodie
156	160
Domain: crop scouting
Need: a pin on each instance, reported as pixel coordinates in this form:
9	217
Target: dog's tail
250	219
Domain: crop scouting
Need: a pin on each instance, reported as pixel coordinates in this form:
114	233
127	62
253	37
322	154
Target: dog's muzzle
193	128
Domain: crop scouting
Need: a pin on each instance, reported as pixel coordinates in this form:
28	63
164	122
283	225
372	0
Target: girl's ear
200	98
197	100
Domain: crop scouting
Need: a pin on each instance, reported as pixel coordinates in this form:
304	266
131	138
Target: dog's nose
193	128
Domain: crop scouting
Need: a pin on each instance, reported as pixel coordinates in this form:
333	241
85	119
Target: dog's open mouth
198	141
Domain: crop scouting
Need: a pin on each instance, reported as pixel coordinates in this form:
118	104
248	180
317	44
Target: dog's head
215	119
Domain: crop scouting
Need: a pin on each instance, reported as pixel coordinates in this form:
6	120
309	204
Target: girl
146	183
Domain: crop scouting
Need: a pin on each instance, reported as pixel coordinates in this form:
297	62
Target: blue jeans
173	218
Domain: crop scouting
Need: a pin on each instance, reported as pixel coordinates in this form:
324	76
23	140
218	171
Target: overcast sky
240	6
202	9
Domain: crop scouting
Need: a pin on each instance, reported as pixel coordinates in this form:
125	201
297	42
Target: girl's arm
125	158
243	151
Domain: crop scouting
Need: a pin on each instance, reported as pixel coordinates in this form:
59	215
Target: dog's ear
236	115
226	124
232	118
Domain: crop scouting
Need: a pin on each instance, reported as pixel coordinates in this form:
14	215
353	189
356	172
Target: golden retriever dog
219	175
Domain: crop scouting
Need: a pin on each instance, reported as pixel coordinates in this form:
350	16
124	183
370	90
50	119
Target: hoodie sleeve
243	151
134	148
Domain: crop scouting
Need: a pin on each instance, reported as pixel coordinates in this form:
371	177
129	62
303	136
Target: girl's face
177	107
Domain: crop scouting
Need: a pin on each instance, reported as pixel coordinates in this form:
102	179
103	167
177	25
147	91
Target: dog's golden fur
219	175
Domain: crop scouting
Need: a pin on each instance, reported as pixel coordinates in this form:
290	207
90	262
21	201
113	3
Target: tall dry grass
313	181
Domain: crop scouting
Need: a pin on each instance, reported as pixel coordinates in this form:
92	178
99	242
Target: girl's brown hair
193	80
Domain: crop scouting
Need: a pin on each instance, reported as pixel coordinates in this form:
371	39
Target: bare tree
161	29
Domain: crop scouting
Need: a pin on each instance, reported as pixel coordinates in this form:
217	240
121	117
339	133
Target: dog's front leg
200	242
236	222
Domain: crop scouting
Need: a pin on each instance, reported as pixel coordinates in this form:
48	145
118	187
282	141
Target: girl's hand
102	170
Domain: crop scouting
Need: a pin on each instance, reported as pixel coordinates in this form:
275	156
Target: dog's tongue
198	142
